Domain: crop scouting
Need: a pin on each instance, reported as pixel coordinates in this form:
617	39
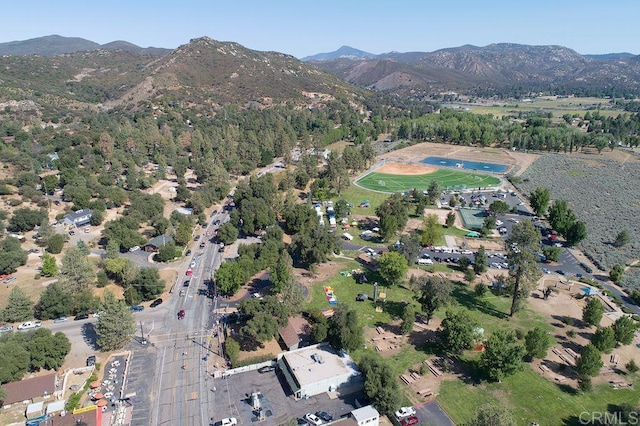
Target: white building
317	369
366	415
77	218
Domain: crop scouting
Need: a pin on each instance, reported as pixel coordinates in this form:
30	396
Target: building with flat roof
366	415
317	369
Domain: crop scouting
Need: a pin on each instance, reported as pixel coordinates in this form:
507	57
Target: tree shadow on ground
247	343
473	303
90	335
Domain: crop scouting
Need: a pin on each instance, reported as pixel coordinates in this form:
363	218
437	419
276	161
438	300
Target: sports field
451	180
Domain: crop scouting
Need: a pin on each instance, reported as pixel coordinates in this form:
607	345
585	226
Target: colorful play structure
331	297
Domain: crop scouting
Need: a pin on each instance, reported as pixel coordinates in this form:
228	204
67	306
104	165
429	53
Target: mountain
343	52
204	74
492	69
610	56
56	45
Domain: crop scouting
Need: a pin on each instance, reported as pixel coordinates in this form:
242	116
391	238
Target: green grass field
447	179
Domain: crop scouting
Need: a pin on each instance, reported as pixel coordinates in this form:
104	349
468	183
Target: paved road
169	375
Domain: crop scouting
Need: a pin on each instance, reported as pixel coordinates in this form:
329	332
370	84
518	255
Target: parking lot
232	399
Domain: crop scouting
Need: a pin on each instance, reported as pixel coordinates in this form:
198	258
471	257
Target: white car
312	419
424	261
29	324
229	421
405	412
134	248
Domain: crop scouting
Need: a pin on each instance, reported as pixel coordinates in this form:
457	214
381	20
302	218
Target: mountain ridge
56	44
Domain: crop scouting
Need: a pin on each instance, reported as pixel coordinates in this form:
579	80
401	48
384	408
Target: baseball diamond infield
397	177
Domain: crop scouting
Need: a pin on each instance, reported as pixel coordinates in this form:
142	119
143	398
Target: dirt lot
413	154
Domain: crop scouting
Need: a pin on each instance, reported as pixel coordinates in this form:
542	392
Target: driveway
433	414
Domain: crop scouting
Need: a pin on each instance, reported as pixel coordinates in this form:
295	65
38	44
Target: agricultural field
602	191
447	179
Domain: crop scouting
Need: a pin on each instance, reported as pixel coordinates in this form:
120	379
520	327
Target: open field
602	190
447	179
557	106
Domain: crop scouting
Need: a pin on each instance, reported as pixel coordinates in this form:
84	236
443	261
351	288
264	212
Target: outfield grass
447	179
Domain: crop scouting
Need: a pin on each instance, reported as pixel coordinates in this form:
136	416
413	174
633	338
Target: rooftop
364	413
78	214
30	388
296	330
160	240
319	362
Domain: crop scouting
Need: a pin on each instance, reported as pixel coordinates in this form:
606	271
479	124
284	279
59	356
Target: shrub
480	289
631	366
571	333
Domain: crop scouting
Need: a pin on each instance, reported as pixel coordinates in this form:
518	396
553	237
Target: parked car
229	421
324	416
5	328
312	419
97	314
186	283
196	238
29	324
9	280
155	303
423	261
61	319
405	412
134	248
188	253
72	233
137	308
81	317
409	421
266	369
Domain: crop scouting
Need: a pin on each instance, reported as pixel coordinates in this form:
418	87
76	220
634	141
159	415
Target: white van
347	236
423	261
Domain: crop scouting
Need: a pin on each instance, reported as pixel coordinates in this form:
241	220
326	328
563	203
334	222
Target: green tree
11	255
561	217
168	252
85	302
15	360
420	200
451	218
262	327
19	306
539	201
499	207
536	342
388	227
576	232
491	415
435	293
337	173
624	329
56	243
588	363
292	296
481	262
396	206
313	245
281	272
345	331
380	383
393	267
604	339
433	192
116	326
232	349
76	274
502	356
457	331
408	318
26	219
49	266
552	253
83	248
622	238
148	283
47	350
54	302
432	230
230	277
592	312
227	233
522	246
183	233
616	273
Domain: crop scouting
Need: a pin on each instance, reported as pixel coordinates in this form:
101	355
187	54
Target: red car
409	421
181	314
189	271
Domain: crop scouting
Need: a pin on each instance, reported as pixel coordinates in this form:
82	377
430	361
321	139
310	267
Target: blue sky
302	28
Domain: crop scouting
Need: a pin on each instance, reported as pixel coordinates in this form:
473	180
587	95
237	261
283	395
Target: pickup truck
29	324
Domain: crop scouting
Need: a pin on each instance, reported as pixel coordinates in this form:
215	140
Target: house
318	369
156	243
295	334
29	389
77	218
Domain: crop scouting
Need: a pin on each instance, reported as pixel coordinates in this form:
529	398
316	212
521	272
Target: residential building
77	218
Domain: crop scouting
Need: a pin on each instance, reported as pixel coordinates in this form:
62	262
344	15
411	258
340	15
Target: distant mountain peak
56	45
343	52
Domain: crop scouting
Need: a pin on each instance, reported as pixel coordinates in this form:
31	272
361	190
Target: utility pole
144	341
